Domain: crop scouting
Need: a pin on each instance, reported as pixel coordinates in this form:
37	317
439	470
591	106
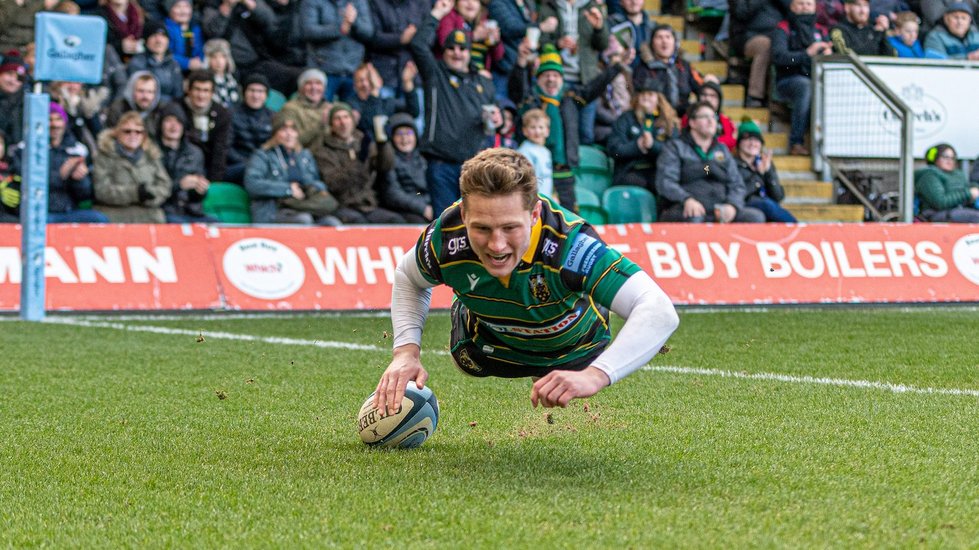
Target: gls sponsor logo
457	245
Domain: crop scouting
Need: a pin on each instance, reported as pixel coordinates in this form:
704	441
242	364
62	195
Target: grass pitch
182	434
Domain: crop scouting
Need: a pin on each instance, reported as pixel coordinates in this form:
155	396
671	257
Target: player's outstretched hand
559	387
405	366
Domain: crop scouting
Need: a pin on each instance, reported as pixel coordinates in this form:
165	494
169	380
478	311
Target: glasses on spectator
132	132
701	116
950	156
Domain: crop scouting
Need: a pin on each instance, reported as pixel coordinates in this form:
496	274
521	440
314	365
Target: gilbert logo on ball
409	427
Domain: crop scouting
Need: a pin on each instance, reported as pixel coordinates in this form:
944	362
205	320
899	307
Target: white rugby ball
409	427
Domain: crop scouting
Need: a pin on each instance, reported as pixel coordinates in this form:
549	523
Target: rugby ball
409	427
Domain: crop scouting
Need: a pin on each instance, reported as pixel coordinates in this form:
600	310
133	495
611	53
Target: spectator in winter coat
368	102
125	20
711	93
405	190
82	107
282	172
141	95
217	54
752	23
352	163
130	182
250	27
335	33
454	97
514	18
158	60
186	38
639	136
13	72
795	41
764	191
698	178
905	42
663	63
933	11
956	37
208	123
69	184
184	163
251	126
395	23
857	33
946	194
562	102
309	110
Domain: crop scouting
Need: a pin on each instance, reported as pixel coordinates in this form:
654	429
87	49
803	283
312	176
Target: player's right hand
405	366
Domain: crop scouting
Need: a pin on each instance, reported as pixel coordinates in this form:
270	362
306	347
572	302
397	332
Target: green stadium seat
586	196
629	204
227	202
275	101
594	215
594	182
592	159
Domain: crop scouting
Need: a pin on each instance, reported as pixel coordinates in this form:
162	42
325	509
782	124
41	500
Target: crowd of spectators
381	101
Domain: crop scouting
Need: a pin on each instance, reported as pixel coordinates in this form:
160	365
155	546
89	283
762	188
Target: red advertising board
143	267
108	267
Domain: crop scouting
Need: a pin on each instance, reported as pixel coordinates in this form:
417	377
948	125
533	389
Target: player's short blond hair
534	115
499	171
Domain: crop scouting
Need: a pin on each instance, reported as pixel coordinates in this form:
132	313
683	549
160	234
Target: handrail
894	102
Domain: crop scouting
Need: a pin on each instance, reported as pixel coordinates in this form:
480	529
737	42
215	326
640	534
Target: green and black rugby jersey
546	311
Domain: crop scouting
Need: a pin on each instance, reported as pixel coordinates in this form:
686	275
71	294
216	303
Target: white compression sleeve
650	320
410	299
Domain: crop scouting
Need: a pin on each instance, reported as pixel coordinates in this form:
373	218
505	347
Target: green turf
111	438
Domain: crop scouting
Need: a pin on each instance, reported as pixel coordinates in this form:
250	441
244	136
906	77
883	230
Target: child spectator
906	42
217	53
405	189
537	127
186	40
158	60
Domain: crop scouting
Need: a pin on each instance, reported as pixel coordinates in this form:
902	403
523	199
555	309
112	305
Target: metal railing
826	67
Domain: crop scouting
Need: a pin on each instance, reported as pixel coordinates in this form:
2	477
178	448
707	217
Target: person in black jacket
184	162
795	41
661	60
208	123
638	137
251	126
762	188
857	34
454	97
396	22
752	22
404	189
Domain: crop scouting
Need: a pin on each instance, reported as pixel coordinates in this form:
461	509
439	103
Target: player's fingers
565	398
380	394
392	395
421	378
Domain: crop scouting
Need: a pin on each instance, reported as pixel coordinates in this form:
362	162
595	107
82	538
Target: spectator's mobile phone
533	38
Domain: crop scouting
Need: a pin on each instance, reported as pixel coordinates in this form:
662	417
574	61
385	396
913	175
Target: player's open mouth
498	259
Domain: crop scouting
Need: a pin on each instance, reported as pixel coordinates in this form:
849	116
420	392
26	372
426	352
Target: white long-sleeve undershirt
650	318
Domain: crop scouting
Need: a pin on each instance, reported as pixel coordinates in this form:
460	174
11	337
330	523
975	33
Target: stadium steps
652	6
759	114
716	68
826	213
793	163
733	95
807	191
675	21
691	50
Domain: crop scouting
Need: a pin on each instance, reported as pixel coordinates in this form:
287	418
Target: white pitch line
841	382
766	376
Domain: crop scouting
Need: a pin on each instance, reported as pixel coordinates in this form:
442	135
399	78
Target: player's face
499	230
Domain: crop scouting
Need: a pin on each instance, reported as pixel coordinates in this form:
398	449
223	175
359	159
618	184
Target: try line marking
764	376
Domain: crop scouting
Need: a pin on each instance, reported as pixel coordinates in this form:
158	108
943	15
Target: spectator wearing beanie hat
763	190
661	60
956	37
12	74
562	102
186	39
404	189
351	163
251	126
309	108
184	163
158	60
217	53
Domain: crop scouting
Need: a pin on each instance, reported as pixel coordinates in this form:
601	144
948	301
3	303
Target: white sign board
944	99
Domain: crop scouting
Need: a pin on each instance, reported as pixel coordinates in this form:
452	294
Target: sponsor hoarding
144	267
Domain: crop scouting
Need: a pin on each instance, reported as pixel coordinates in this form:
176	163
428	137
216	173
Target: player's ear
535	212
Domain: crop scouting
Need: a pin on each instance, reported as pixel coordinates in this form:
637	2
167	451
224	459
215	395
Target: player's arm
410	299
650	320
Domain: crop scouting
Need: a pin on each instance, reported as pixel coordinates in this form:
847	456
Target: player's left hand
559	387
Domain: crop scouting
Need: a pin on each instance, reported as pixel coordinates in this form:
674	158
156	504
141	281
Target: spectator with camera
946	194
764	191
956	37
796	40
